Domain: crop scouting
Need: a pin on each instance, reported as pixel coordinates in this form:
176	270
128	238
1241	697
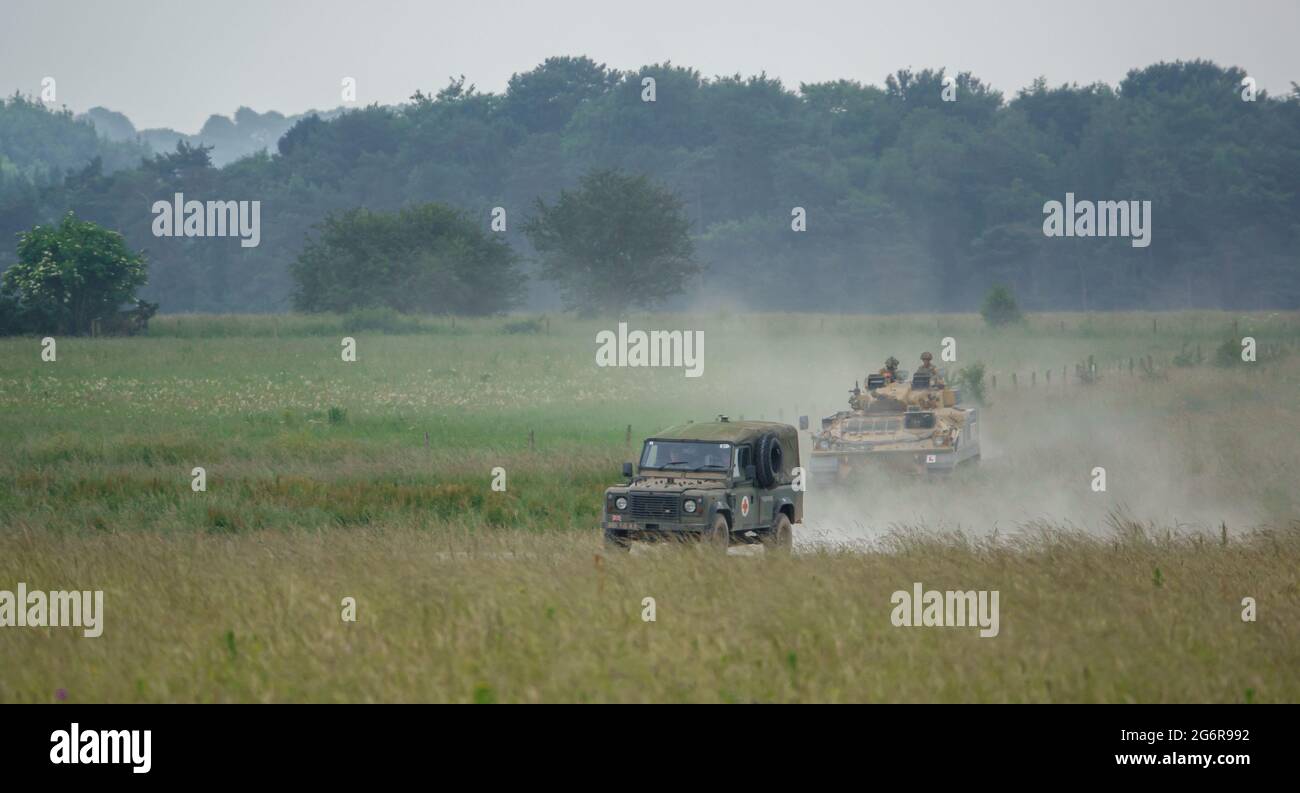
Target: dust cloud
1177	457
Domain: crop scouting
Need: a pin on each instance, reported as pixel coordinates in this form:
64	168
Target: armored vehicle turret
914	423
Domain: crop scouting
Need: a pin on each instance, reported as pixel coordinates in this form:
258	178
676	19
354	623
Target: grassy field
371	479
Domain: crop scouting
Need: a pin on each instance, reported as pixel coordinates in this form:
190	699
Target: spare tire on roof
771	460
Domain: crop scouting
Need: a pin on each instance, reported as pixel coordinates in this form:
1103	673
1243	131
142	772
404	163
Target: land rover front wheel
718	535
780	538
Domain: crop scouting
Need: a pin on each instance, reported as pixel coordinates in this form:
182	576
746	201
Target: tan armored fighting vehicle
914	423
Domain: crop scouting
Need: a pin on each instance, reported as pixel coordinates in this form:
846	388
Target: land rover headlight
620	503
690	506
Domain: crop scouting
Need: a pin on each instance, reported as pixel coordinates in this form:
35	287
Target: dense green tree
423	259
1000	307
182	162
545	99
615	242
68	277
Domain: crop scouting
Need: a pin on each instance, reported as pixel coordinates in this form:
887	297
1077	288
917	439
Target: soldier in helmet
891	369
929	368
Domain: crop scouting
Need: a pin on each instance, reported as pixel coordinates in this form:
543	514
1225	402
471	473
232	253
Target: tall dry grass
450	616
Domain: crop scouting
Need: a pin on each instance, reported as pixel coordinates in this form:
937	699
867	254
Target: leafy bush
971	380
10	322
1228	353
69	277
1000	308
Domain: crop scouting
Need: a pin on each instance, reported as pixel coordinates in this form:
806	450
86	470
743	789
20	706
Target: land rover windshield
686	456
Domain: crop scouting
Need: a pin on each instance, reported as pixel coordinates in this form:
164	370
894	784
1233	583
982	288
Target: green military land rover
724	482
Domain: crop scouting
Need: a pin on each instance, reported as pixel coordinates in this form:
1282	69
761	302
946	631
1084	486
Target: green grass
321	484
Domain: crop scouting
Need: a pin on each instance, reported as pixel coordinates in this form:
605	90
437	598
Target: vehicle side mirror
627	470
751	471
803	422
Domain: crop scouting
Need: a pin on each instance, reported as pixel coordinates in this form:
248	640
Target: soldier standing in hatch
891	370
928	368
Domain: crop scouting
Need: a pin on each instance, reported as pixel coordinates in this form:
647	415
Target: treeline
911	202
230	137
40	144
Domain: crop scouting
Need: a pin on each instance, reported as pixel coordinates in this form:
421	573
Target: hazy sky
175	62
